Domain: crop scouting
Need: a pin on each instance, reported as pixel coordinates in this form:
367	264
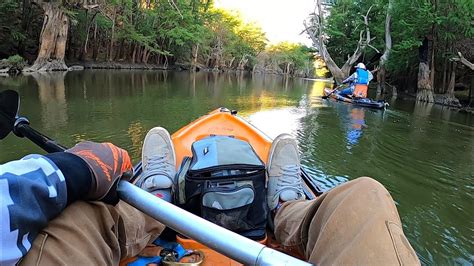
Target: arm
371	76
351	78
33	191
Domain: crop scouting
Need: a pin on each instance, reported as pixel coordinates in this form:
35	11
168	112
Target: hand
107	163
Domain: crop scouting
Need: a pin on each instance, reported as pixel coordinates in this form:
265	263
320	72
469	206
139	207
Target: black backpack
224	182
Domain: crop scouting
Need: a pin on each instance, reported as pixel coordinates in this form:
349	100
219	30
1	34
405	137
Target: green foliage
13	62
10	29
300	56
15	59
230	37
447	22
345	23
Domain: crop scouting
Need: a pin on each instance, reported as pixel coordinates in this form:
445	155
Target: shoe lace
290	178
158	164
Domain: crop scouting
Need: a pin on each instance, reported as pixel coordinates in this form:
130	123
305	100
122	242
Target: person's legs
347	91
354	223
284	170
93	233
158	163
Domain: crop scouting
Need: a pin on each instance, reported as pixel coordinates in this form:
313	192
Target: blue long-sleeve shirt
33	191
353	78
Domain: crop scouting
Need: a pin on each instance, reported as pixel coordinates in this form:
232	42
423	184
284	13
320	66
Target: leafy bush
16	61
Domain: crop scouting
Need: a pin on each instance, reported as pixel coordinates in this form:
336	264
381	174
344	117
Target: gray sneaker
284	172
158	163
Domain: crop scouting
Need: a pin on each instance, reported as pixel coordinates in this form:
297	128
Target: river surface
422	153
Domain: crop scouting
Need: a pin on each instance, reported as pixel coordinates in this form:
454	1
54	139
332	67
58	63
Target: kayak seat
360	91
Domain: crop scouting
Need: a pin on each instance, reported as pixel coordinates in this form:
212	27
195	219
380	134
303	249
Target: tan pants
354	223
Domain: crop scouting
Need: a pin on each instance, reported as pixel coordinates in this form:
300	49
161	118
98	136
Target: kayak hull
224	122
363	102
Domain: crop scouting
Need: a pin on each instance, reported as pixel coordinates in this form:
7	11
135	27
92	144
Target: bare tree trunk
381	75
144	56
242	63
449	98
87	29
148	54
95	47
53	39
443	84
111	48
471	92
287	70
194	56
433	44
425	88
134	53
165	65
432	61
315	32
452	80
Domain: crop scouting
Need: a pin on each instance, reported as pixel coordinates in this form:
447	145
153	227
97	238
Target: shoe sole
159	130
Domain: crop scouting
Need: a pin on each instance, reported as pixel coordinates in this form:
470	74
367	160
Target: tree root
450	100
425	95
47	65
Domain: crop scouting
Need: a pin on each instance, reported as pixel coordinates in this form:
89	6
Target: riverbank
440	99
7	68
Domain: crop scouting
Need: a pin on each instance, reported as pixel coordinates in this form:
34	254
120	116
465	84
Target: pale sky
282	20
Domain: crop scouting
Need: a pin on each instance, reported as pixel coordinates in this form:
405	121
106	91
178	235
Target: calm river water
423	154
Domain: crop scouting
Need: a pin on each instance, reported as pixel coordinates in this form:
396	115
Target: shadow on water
423	154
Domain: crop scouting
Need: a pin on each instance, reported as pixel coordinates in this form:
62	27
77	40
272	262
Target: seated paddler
358	82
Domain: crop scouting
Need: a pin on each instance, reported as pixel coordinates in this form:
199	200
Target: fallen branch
463	60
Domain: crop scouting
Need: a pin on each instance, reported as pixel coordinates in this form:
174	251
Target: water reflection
357	123
52	96
422	153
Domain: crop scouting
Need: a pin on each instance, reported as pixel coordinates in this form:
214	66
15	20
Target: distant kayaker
358	82
54	211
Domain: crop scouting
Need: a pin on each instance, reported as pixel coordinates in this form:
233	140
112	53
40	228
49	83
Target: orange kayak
224	122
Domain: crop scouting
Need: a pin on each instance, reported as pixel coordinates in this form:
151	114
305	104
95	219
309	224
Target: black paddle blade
9	104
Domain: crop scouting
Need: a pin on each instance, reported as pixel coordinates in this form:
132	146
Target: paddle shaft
327	96
233	245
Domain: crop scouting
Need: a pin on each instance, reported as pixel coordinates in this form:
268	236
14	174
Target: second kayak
364	102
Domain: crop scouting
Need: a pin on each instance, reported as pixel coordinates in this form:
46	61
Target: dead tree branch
314	27
463	60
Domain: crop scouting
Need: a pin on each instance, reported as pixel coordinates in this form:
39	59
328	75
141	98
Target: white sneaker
284	172
158	163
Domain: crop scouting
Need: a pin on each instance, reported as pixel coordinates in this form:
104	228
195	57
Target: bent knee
368	183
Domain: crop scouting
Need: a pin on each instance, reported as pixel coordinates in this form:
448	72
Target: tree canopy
446	24
160	32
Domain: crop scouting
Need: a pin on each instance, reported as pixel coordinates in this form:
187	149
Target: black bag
224	182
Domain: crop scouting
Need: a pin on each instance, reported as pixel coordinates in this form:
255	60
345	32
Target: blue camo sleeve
350	78
32	192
